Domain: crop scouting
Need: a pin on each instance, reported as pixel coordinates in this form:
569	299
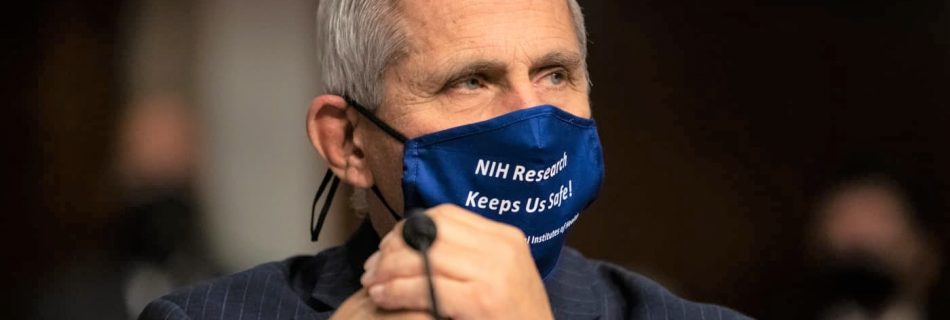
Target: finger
357	306
383	314
474	222
407	263
393	237
454	297
452	212
440	215
369	267
360	306
451	253
449	233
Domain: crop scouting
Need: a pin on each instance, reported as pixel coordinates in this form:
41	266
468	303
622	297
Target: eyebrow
566	59
457	71
496	68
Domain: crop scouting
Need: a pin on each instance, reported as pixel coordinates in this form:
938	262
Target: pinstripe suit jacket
313	287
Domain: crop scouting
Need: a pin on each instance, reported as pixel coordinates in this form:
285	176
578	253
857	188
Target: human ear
330	130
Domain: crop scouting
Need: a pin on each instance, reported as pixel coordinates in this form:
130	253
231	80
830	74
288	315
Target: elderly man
477	112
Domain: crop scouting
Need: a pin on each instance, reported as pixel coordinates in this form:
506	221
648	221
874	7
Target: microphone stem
432	298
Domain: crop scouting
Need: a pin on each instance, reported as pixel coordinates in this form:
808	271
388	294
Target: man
486	105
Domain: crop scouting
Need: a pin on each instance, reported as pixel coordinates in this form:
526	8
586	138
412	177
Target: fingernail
371	261
367	277
376	292
369	269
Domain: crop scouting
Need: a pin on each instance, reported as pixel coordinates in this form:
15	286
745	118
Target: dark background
719	119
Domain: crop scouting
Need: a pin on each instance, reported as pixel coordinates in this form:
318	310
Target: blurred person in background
876	251
155	244
158	151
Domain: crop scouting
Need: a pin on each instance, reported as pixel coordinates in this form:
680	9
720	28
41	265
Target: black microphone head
418	231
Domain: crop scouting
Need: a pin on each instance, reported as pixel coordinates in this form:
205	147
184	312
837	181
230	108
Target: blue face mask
535	169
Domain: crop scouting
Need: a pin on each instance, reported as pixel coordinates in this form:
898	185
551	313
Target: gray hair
357	40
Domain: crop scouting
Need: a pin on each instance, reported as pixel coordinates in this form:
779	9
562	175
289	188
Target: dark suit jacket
312	287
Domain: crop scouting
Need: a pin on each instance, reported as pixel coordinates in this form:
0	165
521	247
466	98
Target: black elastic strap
433	301
334	182
383	200
378	122
329	177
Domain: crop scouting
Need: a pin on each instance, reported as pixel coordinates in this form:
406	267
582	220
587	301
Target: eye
557	77
469	84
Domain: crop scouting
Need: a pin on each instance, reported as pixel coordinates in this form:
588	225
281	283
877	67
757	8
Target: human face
470	61
873	220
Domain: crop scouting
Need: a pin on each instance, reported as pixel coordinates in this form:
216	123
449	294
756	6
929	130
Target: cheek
384	156
578	105
384	153
573	100
583	110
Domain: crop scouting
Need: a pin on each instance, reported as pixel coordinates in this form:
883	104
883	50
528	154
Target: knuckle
446	206
394	243
441	210
512	233
438	209
402	263
436	216
401	293
381	271
379	297
391	241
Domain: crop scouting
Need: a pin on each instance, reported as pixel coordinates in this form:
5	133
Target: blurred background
785	158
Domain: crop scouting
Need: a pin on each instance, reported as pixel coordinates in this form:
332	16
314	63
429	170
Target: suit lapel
338	278
570	288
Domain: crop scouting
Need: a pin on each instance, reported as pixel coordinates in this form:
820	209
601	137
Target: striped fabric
312	287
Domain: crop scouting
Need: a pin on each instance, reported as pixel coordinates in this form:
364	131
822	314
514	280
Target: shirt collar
338	277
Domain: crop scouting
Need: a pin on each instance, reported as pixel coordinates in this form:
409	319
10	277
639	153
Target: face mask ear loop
390	131
330	178
379	195
378	122
334	182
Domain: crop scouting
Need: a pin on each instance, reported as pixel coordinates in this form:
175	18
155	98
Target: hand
481	269
359	306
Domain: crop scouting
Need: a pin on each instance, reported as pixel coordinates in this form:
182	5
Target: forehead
484	27
868	201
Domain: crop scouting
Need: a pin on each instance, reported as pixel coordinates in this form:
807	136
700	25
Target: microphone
419	230
419	233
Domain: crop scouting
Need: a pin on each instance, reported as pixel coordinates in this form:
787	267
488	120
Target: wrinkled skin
468	61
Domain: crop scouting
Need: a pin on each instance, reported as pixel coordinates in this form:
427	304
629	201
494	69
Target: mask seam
502	126
411	173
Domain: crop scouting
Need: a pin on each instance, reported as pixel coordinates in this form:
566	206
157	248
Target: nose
520	95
